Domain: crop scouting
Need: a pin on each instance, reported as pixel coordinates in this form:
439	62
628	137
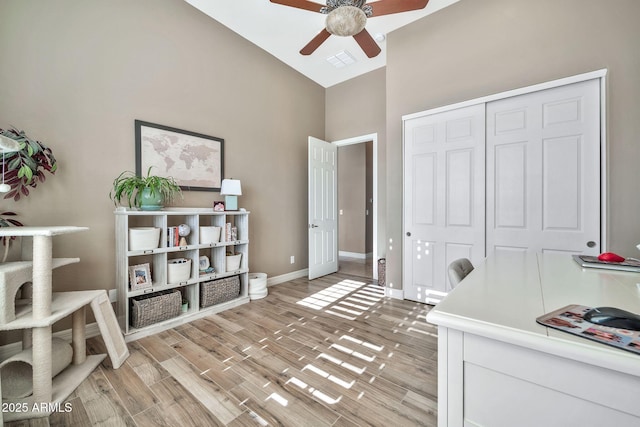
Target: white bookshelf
126	218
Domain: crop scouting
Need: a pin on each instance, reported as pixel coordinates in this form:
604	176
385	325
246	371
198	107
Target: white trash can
257	285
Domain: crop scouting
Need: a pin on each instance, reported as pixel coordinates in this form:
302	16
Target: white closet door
444	196
543	171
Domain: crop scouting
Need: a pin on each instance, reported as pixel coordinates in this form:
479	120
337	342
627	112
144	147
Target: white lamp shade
231	187
8	145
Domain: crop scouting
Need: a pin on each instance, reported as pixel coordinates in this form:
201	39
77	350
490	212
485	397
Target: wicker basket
382	271
219	291
149	309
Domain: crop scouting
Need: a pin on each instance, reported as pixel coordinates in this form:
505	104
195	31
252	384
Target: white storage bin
257	285
233	262
144	238
178	270
209	234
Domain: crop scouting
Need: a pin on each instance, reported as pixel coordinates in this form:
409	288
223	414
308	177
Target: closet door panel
543	170
444	198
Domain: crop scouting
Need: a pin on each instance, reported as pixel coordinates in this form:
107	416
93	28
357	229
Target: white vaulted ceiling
283	31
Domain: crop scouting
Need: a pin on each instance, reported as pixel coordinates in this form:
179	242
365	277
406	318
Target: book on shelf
227	232
173	238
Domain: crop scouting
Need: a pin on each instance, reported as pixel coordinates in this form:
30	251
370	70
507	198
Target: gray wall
352	186
355	108
355	189
476	48
76	73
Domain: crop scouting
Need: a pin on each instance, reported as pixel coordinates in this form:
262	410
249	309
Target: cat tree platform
35	317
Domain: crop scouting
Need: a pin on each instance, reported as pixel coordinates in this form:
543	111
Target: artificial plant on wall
26	168
23	169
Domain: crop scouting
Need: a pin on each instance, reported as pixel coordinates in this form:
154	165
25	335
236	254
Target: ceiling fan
349	17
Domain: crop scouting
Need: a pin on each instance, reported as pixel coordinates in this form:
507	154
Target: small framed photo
204	262
218	206
139	276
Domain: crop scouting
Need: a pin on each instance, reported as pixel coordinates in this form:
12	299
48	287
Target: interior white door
543	171
444	197
323	222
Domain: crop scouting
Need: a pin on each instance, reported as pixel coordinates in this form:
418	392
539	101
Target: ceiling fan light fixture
346	21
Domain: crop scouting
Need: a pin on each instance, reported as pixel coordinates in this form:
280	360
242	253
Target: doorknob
591	244
408	234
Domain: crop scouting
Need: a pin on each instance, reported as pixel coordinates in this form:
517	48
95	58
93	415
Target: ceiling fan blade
300	4
387	7
367	43
315	42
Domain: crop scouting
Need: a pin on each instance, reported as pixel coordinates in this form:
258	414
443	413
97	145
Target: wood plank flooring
356	266
329	352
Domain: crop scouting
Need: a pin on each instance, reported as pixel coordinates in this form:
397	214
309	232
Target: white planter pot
233	262
144	238
178	270
210	234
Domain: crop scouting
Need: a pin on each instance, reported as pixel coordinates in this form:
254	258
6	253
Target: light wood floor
356	266
328	352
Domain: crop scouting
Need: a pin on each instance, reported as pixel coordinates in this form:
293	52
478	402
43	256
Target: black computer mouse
613	317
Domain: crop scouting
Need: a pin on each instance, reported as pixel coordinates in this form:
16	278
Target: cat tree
37	309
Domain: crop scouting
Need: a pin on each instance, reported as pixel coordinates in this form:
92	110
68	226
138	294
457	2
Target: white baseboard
356	255
394	293
276	280
9	350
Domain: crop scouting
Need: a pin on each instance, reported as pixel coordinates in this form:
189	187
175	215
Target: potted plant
149	193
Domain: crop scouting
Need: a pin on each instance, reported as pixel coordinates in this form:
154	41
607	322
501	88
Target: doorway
368	144
355	209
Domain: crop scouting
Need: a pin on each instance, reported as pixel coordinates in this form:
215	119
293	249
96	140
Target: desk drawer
493	368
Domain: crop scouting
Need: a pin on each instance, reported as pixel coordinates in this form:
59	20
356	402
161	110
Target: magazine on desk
569	319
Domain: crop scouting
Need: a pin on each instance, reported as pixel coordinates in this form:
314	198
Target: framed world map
194	160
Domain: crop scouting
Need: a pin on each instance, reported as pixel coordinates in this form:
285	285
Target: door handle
591	244
408	234
313	226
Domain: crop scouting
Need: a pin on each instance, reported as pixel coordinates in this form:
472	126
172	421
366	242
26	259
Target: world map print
192	161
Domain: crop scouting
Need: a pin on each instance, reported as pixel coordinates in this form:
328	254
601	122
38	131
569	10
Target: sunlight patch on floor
277	398
330	295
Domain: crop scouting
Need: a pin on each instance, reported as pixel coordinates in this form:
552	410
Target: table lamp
231	189
7	145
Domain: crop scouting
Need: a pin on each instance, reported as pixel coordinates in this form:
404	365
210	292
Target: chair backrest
458	270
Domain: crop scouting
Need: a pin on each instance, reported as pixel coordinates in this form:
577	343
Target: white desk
498	367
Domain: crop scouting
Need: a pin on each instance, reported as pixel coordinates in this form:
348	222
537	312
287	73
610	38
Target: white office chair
458	270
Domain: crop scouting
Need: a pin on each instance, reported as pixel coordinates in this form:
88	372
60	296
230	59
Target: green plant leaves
22	166
128	185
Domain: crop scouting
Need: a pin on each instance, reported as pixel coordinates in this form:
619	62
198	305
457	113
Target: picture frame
218	206
204	262
194	160
139	276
